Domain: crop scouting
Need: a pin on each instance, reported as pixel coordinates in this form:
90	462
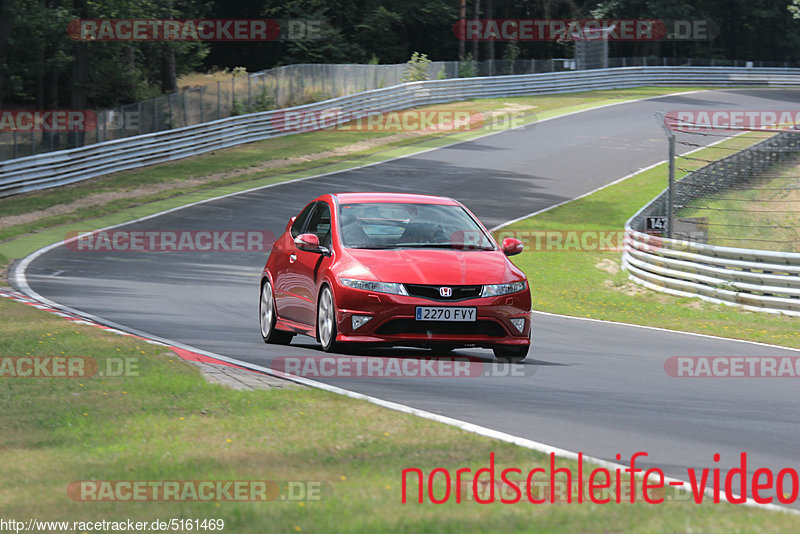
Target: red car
394	269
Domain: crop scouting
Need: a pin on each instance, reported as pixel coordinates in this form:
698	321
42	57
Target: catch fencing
758	280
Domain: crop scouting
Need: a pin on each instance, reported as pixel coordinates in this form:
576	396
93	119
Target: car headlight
496	290
378	287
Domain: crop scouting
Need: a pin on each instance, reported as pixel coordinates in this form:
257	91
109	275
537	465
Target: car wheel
268	318
326	321
513	353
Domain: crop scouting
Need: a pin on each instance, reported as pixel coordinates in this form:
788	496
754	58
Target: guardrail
757	280
51	169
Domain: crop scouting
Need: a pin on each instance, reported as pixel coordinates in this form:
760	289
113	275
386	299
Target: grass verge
163	422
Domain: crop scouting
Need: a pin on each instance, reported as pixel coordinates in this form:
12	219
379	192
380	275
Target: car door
308	265
287	301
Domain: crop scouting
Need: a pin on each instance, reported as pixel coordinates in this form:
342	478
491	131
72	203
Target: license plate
437	313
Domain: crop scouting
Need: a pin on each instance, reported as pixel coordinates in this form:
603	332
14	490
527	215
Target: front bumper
394	320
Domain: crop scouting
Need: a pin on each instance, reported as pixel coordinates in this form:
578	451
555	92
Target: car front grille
432	292
412	326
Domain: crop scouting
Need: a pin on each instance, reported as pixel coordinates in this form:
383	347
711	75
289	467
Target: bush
263	102
466	67
417	68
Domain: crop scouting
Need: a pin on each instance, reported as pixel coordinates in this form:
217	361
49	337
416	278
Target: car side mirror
308	242
512	246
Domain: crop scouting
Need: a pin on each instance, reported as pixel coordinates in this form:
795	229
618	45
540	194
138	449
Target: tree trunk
50	139
79	99
130	62
490	44
6	22
169	82
462	16
476	14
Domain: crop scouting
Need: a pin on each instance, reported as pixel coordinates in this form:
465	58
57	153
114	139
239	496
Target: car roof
354	198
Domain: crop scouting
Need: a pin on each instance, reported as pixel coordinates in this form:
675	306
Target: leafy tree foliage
40	66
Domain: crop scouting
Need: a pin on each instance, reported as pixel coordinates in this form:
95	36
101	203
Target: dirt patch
517	107
628	288
94	200
695	304
608	265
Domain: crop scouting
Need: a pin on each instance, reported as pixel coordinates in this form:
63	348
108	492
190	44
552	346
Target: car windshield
406	225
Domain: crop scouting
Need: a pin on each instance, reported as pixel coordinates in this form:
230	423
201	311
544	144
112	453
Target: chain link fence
744	193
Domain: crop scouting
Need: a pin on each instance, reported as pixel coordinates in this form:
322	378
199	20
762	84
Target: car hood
431	266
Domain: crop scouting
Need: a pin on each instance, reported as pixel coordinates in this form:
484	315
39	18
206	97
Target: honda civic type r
394	269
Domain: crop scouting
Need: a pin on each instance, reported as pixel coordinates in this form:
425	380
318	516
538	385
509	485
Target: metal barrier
51	169
757	280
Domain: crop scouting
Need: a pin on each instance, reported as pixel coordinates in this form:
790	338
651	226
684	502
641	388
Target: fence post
183	107
219	99
202	103
671	189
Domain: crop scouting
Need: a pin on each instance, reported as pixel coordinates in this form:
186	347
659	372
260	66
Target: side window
320	224
299	222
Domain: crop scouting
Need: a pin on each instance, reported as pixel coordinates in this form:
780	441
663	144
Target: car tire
326	321
268	317
512	353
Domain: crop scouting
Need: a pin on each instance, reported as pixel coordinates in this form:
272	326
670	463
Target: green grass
589	283
760	214
164	422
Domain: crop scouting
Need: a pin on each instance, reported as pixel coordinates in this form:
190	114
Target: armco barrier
758	280
68	166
